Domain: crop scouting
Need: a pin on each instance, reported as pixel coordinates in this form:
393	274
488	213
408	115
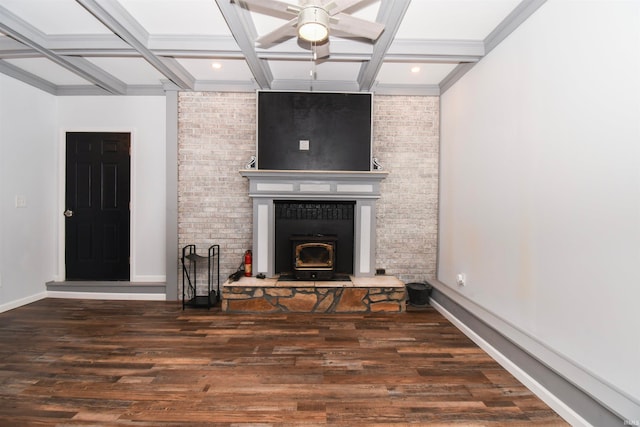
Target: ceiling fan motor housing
313	23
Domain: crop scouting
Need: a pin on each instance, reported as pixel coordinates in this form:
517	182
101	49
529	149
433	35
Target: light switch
304	145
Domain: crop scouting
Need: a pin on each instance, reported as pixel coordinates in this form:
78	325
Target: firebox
314	256
314	221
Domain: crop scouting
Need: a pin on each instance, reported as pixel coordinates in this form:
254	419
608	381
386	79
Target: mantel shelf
376	175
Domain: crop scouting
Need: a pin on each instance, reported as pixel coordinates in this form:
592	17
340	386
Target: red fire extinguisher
247	263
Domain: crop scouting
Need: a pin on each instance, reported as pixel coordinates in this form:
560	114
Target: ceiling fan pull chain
312	71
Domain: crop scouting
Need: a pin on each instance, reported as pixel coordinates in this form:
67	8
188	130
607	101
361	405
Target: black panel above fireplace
314	218
336	128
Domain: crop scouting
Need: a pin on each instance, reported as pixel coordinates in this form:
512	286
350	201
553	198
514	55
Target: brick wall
405	141
216	136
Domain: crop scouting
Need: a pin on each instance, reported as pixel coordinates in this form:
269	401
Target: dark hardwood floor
140	363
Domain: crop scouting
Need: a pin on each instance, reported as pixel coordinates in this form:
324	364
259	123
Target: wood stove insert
314	256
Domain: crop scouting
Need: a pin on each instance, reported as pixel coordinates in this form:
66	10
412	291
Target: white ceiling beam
9	46
178	70
225	47
390	14
26	77
521	13
437	47
121	23
455	75
24	33
201	46
244	32
191	42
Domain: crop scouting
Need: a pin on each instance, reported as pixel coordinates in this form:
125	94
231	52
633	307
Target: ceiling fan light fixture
313	24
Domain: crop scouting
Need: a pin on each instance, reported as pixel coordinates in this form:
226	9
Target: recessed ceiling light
415	69
216	65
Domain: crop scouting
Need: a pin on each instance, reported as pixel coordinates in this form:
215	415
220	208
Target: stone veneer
217	136
357	295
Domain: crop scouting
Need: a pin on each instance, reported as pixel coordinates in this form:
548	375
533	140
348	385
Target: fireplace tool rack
191	261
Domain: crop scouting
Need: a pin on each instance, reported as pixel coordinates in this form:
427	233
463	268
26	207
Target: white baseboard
538	389
22	301
592	397
106	296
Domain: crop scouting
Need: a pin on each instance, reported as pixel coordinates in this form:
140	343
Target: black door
97	206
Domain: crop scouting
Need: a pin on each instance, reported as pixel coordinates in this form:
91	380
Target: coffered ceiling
144	47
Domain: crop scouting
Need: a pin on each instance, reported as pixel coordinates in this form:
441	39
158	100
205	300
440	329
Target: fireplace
313	256
316	221
354	254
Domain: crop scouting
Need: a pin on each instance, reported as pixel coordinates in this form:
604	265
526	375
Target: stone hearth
356	295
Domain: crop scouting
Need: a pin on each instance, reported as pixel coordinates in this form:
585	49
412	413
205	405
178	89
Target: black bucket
418	293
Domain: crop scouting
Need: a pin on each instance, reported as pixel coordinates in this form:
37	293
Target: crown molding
26	77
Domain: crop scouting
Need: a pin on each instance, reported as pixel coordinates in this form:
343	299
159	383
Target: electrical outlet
21	201
461	279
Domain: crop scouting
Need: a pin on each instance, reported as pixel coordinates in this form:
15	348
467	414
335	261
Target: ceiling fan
313	21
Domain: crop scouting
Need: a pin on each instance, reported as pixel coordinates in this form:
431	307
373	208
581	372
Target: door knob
68	213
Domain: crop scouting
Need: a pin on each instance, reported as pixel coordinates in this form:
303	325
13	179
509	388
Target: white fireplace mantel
362	187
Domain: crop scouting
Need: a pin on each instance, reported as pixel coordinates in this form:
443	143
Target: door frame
60	221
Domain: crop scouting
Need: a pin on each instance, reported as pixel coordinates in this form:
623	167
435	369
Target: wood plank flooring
148	363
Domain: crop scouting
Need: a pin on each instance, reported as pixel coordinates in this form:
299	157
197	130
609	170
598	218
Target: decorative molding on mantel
314	184
314	174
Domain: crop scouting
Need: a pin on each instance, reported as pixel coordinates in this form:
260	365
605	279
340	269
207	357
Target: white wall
540	188
145	118
32	131
28	168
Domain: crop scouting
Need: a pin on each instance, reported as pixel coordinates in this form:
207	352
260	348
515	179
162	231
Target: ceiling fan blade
275	8
281	33
337	6
356	27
